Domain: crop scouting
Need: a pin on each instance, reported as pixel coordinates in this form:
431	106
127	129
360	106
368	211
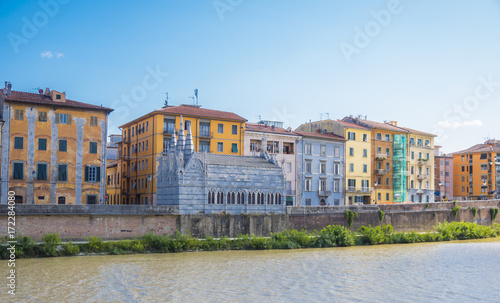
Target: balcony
206	134
323	193
126	158
381	172
126	140
420	192
421	177
422	161
381	157
354	189
290	192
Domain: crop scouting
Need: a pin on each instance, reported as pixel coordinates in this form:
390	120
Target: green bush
493	213
371	235
137	247
464	231
349	216
455	210
334	235
70	249
50	242
95	244
25	247
381	215
474	211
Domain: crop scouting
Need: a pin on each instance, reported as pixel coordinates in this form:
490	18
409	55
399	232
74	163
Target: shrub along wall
121	222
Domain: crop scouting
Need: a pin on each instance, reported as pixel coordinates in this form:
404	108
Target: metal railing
359	189
380	172
324	193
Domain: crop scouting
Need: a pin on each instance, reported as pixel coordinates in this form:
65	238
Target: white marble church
213	183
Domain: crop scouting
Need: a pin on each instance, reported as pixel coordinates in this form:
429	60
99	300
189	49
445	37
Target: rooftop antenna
192	98
196	95
166	100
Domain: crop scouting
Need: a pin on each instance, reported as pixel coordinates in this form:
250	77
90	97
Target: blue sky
430	65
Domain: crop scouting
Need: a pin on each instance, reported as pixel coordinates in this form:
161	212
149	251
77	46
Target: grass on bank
330	236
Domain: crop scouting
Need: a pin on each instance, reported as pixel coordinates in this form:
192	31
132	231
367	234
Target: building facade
443	175
149	136
200	182
476	171
53	148
358	160
280	144
421	186
320	166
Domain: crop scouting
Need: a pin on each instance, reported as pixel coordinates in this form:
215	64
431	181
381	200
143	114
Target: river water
429	272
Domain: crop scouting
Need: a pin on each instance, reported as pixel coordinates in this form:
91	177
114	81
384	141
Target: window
92	173
146	163
308	166
289	167
365	168
322	150
351	151
412	198
420	155
351	167
168	125
322	167
412	155
387	166
379	136
63	118
336	152
18	170
308	202
308	185
61	200
204	146
308	149
387	152
41	171
234	129
147	141
412	141
19	114
166	143
93	148
365	153
411	170
483	156
322	185
379	197
412	184
220	128
484	167
365	138
63	146
62	172
419	142
234	147
91	199
387	181
336	168
427	143
336	186
428	156
387	137
42	117
18	143
387	196
351	136
220	147
42	144
147	126
93	121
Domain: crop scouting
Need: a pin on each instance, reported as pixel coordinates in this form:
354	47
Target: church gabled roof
230	160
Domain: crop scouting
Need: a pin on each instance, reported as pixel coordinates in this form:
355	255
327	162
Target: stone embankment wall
127	221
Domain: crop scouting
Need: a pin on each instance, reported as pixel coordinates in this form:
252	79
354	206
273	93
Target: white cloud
455	124
47	54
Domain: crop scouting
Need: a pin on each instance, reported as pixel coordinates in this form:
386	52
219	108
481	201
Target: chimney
47	92
9	89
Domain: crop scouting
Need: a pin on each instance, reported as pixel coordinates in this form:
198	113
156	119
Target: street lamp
440	184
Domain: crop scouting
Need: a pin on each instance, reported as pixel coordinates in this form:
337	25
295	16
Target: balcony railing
324	193
422	161
380	172
421	177
206	134
290	192
381	157
354	189
420	191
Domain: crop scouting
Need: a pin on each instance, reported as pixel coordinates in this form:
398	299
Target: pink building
443	176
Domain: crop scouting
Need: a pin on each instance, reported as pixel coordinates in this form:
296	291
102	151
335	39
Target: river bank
330	236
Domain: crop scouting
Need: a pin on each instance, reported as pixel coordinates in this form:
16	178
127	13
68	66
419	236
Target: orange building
476	171
149	136
53	148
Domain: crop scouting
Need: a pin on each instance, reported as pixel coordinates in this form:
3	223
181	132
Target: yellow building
146	137
420	166
358	160
53	148
113	191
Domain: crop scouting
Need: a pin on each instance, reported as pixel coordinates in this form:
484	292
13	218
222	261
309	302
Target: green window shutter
98	174
42	172
86	173
18	171
234	148
63	145
68	119
93	148
42	144
18	143
60	172
57	118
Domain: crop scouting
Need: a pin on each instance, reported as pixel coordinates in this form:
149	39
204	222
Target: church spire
180	140
173	142
189	146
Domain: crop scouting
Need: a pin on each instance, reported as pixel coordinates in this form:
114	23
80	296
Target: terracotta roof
376	125
200	112
479	148
413	131
321	135
351	125
269	129
42	99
